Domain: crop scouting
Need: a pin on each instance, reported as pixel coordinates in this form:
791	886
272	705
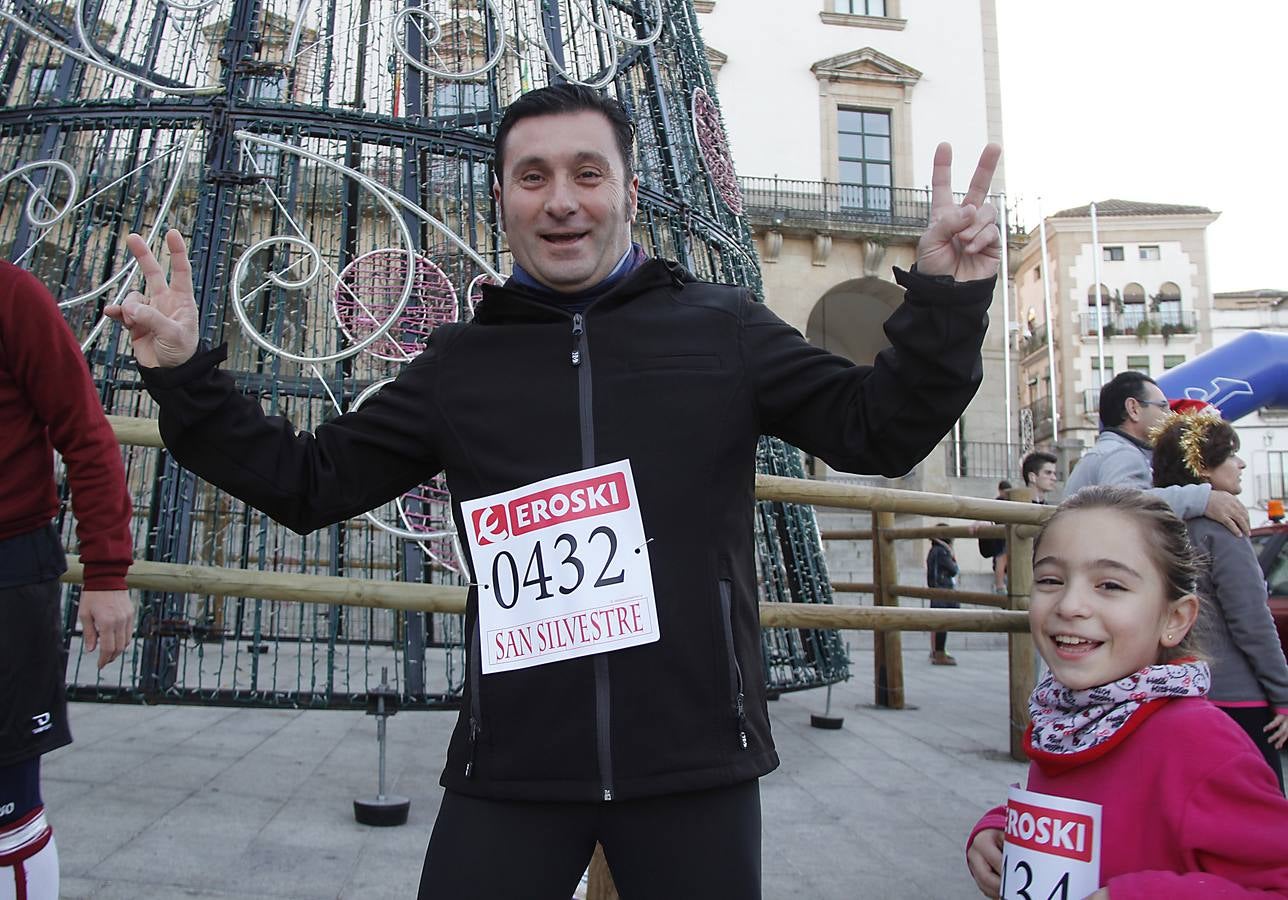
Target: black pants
1253	720
941	637
692	845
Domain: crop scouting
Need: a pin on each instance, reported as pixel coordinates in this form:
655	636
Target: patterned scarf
1067	722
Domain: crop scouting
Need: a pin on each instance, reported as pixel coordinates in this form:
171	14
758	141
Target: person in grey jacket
1131	406
1249	672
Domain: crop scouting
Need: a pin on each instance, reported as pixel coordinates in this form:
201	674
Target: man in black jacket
597	421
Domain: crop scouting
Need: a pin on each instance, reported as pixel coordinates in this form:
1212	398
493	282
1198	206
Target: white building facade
834	109
1154	314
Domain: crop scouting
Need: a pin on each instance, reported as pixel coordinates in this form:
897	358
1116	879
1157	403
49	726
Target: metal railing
981	459
1141	323
1035	341
792	201
1040	410
1091	401
831	202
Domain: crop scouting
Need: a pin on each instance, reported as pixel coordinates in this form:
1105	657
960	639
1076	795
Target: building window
42	83
1096	380
860	7
1138	364
863	143
1172	361
1276	475
1133	305
1150	253
1037	273
457	97
1168	303
1113	254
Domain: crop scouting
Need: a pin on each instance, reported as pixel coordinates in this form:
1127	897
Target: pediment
865	65
715	59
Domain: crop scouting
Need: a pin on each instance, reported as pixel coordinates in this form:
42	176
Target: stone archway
847	319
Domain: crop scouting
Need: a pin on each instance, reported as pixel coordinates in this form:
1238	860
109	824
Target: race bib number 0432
562	569
1052	847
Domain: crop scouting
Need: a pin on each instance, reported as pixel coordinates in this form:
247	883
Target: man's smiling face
565	201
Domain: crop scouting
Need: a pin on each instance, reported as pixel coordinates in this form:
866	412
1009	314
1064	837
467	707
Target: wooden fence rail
1019	522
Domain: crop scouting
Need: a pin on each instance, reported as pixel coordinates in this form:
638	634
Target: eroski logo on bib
1052	847
491	525
562	569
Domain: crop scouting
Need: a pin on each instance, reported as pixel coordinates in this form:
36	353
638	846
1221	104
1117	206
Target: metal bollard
383	809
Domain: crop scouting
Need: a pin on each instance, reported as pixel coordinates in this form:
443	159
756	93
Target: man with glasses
1130	406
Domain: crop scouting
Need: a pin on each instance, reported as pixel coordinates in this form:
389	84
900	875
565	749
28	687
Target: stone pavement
162	802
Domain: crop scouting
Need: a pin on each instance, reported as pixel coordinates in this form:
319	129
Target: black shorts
33	667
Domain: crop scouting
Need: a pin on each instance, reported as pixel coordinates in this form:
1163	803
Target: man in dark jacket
597	421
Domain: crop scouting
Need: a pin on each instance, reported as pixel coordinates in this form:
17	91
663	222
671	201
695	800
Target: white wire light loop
243	262
435	35
617	36
39	193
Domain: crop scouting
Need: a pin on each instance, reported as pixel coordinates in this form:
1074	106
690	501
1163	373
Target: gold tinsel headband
1194	426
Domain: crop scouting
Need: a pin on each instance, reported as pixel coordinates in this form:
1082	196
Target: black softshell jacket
678	376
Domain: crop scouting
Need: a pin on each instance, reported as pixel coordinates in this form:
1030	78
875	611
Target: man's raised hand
162	323
961	240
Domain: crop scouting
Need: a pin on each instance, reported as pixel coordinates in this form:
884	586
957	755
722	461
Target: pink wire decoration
368	291
714	147
427	509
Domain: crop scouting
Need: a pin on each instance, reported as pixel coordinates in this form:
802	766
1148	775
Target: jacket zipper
735	671
580	359
476	720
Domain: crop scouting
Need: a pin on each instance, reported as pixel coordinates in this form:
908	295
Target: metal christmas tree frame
329	160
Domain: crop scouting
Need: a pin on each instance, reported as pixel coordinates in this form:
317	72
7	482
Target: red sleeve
50	369
1234	837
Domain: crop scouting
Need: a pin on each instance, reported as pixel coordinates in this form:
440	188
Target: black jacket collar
512	303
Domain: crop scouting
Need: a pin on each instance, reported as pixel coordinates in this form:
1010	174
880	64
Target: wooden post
600	886
887	645
1019	548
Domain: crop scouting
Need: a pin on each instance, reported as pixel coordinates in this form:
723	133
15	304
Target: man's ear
496	199
632	208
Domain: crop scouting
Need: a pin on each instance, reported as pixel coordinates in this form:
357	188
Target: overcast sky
1168	101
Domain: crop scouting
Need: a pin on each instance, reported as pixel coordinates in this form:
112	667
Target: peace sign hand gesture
162	323
961	241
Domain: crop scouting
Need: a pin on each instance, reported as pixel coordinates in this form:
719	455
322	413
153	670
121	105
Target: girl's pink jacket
1190	808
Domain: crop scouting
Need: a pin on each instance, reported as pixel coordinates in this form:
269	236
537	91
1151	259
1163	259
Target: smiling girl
1188	807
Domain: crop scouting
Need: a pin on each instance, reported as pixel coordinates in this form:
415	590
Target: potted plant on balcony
1144	328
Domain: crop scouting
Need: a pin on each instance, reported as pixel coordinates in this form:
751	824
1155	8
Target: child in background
1188	807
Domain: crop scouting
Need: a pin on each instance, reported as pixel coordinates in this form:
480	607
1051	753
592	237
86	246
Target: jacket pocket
735	671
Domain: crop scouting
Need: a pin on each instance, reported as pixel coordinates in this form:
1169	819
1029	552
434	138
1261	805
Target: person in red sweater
47	403
1188	807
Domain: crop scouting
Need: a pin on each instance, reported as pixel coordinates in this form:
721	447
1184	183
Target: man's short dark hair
1003	485
1114	396
1033	463
559	99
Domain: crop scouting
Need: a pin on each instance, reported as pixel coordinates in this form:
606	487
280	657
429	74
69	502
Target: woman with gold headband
1249	673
